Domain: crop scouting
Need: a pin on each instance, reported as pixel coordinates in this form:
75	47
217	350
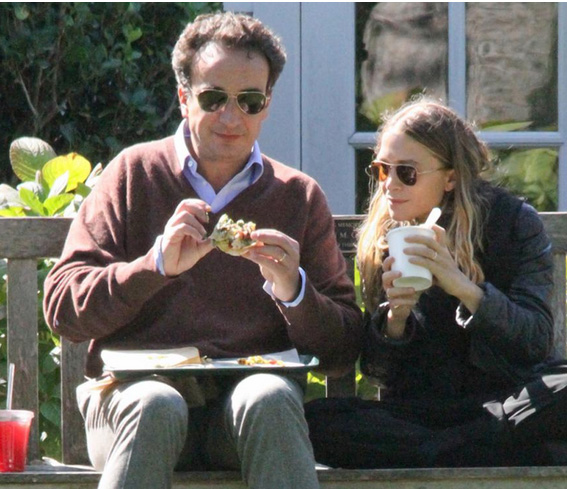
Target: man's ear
182	96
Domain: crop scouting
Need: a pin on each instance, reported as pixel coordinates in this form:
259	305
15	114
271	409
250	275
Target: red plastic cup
14	436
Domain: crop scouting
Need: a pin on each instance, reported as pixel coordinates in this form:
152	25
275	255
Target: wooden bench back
23	241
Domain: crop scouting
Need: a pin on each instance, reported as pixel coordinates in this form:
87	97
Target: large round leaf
9	196
76	165
28	155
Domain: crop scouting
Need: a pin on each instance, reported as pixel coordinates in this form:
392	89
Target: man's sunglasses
407	174
212	99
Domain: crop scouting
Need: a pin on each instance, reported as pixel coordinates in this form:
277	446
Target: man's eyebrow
216	87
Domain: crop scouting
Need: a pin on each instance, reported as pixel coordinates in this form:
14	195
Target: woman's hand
278	258
446	274
400	299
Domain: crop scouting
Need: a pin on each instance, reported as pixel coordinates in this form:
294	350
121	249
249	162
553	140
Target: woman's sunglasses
212	99
406	174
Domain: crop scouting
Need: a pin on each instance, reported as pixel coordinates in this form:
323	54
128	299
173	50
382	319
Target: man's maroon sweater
106	287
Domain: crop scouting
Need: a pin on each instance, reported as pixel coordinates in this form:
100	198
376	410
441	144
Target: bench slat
33	237
558	304
73	437
22	340
437	478
556	227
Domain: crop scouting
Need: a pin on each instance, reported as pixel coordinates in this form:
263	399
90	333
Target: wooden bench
23	241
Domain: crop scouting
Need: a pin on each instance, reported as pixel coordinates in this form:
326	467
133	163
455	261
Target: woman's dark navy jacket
449	354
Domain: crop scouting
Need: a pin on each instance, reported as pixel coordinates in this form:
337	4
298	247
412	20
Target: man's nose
230	113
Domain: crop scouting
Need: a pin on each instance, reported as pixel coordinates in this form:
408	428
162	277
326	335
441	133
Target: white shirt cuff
158	255
298	299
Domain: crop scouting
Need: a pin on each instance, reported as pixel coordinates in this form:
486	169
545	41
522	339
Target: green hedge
89	77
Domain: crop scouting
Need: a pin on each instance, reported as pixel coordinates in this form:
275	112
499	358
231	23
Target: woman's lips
396	201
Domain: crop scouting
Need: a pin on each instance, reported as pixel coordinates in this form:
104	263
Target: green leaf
531	173
28	155
132	33
31	200
83	190
94	176
73	207
9	196
76	165
60	185
52	411
112	64
34	187
48	365
21	12
315	378
12	212
57	203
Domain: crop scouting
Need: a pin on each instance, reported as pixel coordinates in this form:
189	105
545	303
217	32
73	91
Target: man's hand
184	240
278	258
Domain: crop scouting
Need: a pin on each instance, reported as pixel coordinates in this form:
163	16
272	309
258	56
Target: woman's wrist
395	328
472	297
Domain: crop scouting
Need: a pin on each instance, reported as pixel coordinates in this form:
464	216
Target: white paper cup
412	275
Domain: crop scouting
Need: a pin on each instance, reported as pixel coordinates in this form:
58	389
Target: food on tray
233	237
259	360
148	359
121	363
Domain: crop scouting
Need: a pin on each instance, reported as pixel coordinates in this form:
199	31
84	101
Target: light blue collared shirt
249	175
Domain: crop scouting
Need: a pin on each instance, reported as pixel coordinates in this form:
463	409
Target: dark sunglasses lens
212	100
251	102
407	174
380	171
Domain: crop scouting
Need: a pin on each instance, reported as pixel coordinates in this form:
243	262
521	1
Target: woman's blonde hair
454	142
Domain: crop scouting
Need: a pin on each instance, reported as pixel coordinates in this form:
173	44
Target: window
501	65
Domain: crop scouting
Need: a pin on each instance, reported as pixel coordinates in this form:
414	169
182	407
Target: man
139	271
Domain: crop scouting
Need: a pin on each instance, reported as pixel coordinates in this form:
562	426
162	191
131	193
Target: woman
465	368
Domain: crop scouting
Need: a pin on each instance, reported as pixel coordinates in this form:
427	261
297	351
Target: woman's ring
283	257
435	256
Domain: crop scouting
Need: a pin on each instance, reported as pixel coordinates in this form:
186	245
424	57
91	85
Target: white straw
432	218
10	386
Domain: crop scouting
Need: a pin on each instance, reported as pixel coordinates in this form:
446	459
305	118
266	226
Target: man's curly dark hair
231	30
